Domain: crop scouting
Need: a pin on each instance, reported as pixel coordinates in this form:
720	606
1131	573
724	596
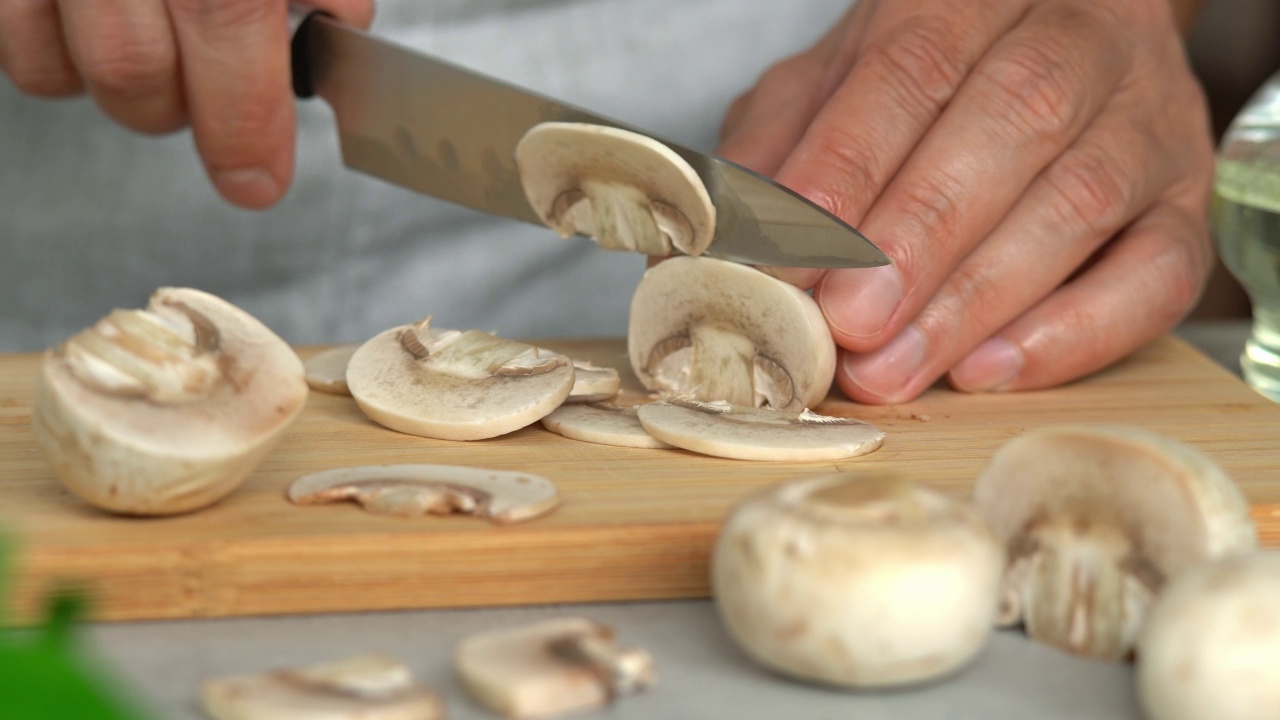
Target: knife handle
300	15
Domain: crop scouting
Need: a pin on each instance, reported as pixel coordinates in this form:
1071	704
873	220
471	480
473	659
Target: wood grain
635	524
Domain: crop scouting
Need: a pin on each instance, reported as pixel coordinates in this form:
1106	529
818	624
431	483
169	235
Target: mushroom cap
327	369
723	331
743	433
566	168
1210	647
418	489
857	581
167	409
371	686
1173	502
469	385
601	423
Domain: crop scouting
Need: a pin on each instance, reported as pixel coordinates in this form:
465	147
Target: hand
156	66
1038	171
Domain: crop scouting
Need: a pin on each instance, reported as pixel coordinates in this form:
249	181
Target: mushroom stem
626	671
722	367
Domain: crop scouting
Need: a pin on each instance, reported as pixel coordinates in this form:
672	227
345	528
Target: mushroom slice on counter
857	581
592	383
167	409
744	433
722	331
624	190
601	423
327	369
1211	645
371	686
415	490
455	385
550	668
1096	518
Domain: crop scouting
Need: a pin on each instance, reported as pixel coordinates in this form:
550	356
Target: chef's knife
442	130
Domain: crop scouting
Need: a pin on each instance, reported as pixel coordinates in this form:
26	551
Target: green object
43	674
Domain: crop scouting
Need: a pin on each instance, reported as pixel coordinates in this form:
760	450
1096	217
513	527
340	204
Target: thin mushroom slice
592	383
327	369
455	385
603	424
166	409
372	686
550	668
624	190
719	330
743	433
412	490
1096	519
857	581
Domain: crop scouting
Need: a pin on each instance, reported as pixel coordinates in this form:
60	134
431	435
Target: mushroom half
624	190
718	330
1096	519
166	409
414	490
455	385
857	581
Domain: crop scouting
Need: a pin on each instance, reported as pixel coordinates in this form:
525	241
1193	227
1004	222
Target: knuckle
845	174
43	81
920	62
1033	89
223	14
1095	191
129	69
930	202
240	135
970	294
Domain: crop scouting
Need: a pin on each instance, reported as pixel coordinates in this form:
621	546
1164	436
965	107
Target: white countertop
701	673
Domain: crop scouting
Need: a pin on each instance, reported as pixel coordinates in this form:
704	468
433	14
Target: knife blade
442	130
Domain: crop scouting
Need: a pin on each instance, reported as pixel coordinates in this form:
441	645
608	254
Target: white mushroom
550	668
723	331
455	385
416	489
601	423
744	433
1211	645
327	369
624	190
857	581
371	686
1095	519
167	409
592	383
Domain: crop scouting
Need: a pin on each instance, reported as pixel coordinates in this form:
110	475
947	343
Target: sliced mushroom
1211	645
601	423
592	383
372	686
624	190
327	369
550	668
167	409
722	331
416	489
1096	519
455	385
743	433
857	581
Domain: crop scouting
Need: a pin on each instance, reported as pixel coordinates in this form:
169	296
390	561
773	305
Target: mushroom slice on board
550	668
722	331
167	409
372	686
327	369
1211	645
624	190
592	383
745	433
857	581
1096	518
455	385
601	423
415	490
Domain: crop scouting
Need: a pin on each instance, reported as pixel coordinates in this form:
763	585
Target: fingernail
858	303
885	372
991	366
247	186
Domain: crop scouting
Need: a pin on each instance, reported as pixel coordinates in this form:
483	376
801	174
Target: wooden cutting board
635	524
